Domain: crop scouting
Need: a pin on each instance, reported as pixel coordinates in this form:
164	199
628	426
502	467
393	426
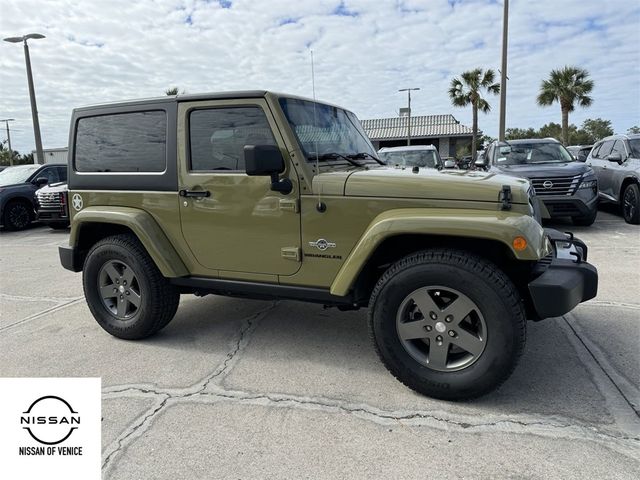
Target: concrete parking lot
250	389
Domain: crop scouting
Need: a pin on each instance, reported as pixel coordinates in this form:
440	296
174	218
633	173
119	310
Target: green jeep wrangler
268	196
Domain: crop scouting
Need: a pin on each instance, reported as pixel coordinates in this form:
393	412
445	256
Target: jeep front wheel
125	291
447	324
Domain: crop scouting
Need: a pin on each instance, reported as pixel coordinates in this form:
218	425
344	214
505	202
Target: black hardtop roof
191	97
179	98
532	140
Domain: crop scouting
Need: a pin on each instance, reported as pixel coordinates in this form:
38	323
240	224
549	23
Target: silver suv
616	161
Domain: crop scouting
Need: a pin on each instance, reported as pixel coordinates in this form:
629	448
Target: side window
123	142
217	136
618	147
50	173
605	150
62	174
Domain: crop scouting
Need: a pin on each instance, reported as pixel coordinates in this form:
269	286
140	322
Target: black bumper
564	282
70	258
569	206
52	216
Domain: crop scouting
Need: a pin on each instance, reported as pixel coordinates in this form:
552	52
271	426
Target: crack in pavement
621	384
606	303
210	390
35	316
140	425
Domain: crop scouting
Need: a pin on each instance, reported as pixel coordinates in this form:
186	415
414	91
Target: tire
120	264
630	203
17	215
586	220
497	326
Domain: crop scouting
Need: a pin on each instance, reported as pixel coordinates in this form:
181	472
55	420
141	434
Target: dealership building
443	131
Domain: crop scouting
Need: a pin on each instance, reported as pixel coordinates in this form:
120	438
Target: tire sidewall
500	351
132	327
636	217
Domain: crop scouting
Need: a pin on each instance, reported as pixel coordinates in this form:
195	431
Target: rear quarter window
123	142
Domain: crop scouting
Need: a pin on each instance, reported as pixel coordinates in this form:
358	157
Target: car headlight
589	184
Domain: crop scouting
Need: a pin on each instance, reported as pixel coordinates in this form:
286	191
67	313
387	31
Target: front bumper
58	215
565	279
581	204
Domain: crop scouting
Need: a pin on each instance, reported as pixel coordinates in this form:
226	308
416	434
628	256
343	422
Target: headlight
589	184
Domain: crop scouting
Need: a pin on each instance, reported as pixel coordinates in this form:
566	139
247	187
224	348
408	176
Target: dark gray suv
568	188
616	161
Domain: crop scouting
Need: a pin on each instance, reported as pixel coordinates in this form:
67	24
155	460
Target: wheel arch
93	224
395	235
626	182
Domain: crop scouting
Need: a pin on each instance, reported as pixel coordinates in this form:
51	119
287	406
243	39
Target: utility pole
6	122
408	90
32	93
503	72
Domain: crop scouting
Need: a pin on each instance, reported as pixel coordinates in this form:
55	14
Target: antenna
321	207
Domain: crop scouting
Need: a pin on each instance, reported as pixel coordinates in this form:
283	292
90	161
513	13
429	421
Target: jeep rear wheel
125	291
447	324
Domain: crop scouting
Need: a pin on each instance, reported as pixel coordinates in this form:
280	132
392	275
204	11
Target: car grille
563	209
556	186
49	200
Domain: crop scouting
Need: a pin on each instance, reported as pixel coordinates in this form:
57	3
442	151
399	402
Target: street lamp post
6	121
32	93
408	90
503	72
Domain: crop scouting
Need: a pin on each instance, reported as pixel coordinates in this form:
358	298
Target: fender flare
143	225
485	224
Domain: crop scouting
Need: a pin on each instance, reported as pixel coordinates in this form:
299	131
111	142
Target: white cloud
98	51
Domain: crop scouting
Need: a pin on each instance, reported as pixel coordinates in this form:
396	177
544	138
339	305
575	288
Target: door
600	164
236	223
613	170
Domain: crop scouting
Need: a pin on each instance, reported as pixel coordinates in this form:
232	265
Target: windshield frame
10	172
349	122
568	157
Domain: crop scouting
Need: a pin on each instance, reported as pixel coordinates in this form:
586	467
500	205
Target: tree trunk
565	125
474	146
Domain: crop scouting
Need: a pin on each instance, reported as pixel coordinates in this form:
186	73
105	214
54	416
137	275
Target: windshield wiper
334	156
365	155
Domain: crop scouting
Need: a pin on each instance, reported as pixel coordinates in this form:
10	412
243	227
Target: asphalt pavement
251	389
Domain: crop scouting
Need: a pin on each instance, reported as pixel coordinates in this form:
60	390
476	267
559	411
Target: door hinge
290	253
290	205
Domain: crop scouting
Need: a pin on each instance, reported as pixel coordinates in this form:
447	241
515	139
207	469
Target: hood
54	187
547	170
428	183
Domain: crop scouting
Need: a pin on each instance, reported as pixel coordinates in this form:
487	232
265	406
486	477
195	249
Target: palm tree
467	91
566	86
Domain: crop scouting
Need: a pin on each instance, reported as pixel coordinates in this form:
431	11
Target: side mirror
615	157
481	162
267	161
41	182
449	164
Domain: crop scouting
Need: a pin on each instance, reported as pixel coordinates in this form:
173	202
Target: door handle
194	193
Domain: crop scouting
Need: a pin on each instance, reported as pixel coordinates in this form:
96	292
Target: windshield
411	158
530	153
325	129
18	174
634	145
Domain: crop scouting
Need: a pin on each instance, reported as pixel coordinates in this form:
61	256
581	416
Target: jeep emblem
76	201
547	184
322	244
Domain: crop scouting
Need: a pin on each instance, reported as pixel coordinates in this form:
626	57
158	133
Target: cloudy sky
364	50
